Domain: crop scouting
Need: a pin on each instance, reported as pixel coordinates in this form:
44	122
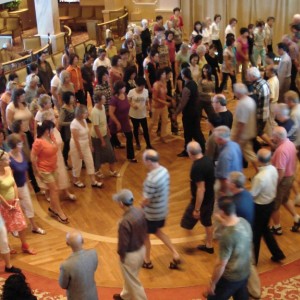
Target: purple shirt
121	113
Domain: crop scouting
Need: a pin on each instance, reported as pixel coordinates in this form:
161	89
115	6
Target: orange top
46	153
76	77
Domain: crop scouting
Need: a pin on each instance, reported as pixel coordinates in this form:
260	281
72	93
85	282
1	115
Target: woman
215	36
66	116
81	148
146	37
160	104
3	143
139	104
129	78
229	64
88	76
259	43
17	110
45	72
138	48
111	49
65	85
182	56
16	288
19	167
194	67
129	45
103	150
119	120
201	51
206	31
76	78
9	203
65	60
212	60
103	86
44	162
197	30
242	50
116	71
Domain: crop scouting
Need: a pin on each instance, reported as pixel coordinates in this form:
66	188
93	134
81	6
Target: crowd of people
46	130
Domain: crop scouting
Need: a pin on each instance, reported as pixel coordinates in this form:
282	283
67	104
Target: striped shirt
262	96
156	190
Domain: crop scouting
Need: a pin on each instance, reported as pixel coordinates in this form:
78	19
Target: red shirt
180	21
172	50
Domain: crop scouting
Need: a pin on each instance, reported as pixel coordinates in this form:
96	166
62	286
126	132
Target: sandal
57	216
29	251
38	231
71	197
79	184
13	251
174	264
147	265
97	184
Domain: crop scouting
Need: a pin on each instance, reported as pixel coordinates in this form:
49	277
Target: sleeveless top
19	170
7	187
244	49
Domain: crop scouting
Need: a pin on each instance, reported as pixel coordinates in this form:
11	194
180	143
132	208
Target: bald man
77	271
202	189
263	190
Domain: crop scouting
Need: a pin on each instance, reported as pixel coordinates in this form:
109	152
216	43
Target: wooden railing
116	26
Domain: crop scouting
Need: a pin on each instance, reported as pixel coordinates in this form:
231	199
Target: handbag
254	285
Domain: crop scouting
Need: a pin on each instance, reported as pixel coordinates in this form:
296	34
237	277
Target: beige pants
157	114
133	289
247	149
284	87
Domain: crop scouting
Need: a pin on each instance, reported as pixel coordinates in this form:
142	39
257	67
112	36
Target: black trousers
129	143
79	95
90	90
261	229
31	176
224	81
192	130
219	48
294	72
270	48
139	60
136	124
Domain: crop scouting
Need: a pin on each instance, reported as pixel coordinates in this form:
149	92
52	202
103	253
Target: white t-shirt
274	88
97	63
39	115
245	113
83	131
215	31
20	114
98	118
229	29
55	82
140	100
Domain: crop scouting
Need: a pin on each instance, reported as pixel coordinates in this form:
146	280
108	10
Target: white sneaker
297	200
99	174
114	174
71	197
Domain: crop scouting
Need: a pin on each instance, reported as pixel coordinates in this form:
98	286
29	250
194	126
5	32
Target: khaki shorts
283	191
48	177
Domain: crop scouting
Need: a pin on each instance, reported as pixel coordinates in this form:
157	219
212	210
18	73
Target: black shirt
226	118
202	170
146	40
213	62
87	75
151	69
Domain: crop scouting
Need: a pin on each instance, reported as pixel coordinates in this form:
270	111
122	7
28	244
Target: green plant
13	4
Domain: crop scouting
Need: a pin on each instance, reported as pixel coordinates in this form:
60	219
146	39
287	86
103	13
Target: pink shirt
284	158
172	52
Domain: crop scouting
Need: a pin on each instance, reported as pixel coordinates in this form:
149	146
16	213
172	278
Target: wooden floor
96	215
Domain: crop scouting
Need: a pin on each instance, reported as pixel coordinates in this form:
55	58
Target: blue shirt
230	159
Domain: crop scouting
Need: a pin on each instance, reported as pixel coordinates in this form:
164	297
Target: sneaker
114	174
12	269
99	174
277	231
206	249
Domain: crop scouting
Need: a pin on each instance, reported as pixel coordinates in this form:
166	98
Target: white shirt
268	34
139	100
264	185
295	116
230	29
97	63
215	31
55	82
284	68
274	88
83	131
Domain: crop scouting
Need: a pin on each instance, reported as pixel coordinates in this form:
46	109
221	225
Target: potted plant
13	5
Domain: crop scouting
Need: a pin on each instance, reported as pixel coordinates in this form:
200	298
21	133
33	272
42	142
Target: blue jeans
226	289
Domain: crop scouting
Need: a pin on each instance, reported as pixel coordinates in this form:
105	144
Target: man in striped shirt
155	204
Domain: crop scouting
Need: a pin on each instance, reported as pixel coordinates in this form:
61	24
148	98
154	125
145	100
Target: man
242	199
284	160
102	60
77	272
219	103
244	122
230	156
263	189
269	33
230	275
155	204
202	189
284	70
132	234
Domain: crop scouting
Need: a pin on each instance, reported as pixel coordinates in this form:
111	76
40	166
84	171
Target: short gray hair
201	48
237	178
184	46
254	72
222	132
80	110
63	74
282	110
43	100
240	88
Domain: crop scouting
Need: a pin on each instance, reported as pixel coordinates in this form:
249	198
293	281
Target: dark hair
194	55
217	16
197	23
232	20
46	125
16	126
16	95
67	49
114	60
229	35
101	70
33	67
212	46
221	100
118	86
161	28
101	50
16	287
59	69
66	97
87	57
140	81
109	39
158	18
250	26
12	76
13	140
153	52
128	41
184	65
3	132
197	38
159	72
97	97
260	23
270	18
209	72
123	51
168	70
168	32
176	9
271	55
187	73
243	30
72	57
128	72
227	205
282	46
229	41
